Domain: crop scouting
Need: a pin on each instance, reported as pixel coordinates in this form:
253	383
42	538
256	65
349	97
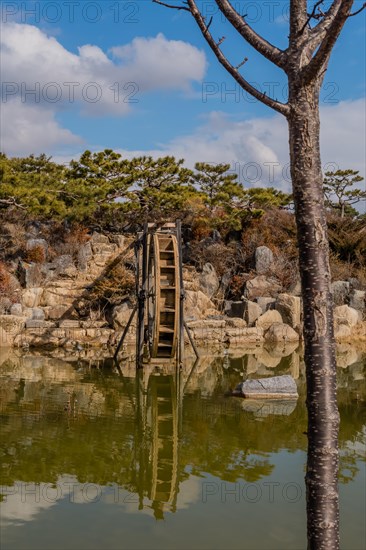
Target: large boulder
263	259
209	281
261	286
277	387
281	333
269	318
290	309
340	291
197	305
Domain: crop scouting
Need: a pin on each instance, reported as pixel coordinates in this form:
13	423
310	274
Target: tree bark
323	417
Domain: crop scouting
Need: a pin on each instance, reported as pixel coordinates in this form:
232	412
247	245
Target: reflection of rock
277	407
280	332
345	315
268	388
347	355
10	327
267	359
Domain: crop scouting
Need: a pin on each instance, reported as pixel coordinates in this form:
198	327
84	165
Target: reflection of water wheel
163	295
164	443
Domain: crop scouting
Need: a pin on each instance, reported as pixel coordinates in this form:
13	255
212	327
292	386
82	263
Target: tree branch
335	20
171	6
313	14
262	46
12	202
358	11
282	108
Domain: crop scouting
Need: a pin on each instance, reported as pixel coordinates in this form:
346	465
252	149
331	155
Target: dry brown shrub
36	254
4	279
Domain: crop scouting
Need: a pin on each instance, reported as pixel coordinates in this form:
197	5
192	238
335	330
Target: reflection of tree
40	440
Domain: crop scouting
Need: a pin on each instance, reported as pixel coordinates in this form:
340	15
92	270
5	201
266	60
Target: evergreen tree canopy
339	193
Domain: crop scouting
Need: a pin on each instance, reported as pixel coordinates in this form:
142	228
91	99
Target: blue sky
139	78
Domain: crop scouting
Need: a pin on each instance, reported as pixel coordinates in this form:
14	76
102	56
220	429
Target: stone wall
49	311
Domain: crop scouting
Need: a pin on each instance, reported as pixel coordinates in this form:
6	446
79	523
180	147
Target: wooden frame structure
160	295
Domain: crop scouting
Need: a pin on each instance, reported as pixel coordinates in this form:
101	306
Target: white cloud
258	148
40	76
178	64
28	129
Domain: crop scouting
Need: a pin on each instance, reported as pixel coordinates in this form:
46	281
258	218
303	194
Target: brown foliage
36	255
4	279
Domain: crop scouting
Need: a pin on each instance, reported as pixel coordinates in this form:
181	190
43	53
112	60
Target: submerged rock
276	387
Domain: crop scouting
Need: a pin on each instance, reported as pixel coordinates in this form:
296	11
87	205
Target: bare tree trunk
323	416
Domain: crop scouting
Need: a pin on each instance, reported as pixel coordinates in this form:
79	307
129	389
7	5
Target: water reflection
154	442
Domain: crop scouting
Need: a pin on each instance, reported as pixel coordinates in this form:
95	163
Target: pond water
93	457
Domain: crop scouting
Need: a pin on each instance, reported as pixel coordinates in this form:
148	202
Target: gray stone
31	275
225	281
266	303
85	254
35	323
340	291
98	238
69	323
263	259
55	312
268	388
16	309
357	300
290	309
64	266
252	312
234	309
38	314
261	286
268	319
209	281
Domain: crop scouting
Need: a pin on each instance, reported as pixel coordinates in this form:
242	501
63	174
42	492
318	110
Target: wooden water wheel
163	281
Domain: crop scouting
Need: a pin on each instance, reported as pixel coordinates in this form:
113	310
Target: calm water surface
94	458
